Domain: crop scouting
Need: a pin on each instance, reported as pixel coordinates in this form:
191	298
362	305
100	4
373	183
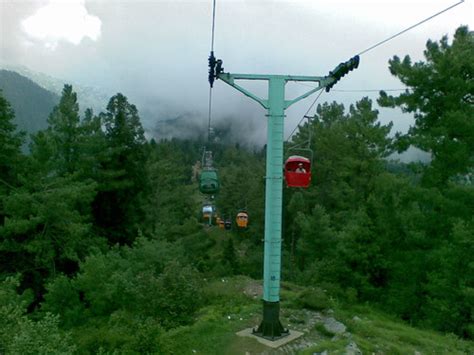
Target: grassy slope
232	310
235	307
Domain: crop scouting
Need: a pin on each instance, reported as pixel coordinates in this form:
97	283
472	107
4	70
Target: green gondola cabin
209	182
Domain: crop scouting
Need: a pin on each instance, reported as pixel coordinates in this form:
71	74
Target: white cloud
62	20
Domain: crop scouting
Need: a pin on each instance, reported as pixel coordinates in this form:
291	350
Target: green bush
315	299
62	298
21	335
123	333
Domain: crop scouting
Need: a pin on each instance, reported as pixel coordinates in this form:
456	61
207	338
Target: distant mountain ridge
32	103
88	96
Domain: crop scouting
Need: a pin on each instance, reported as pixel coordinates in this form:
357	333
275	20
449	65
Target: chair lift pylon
276	104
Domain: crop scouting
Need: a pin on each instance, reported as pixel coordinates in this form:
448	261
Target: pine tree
47	217
441	95
64	132
10	145
10	153
118	207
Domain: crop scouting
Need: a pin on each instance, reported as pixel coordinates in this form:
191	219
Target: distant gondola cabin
242	219
208	182
297	171
207	210
207	213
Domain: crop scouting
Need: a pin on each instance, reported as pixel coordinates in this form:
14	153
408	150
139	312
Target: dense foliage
102	248
441	95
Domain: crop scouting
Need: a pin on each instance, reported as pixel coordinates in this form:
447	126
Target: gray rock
333	326
353	349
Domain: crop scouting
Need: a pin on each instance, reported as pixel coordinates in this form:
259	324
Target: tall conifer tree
118	207
441	97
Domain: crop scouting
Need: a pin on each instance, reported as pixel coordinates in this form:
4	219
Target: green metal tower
276	104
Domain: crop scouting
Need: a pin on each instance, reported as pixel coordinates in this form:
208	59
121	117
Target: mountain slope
32	104
88	96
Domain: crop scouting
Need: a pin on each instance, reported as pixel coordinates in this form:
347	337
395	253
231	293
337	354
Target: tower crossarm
230	78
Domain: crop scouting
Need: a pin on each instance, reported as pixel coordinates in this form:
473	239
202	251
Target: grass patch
333	347
203	337
377	332
215	334
228	289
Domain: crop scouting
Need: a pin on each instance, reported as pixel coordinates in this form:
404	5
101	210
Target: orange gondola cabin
298	171
242	219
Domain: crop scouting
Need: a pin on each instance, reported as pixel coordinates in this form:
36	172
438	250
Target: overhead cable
212	54
306	114
357	90
409	28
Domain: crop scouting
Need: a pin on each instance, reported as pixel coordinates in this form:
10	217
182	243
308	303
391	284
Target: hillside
88	96
329	326
32	103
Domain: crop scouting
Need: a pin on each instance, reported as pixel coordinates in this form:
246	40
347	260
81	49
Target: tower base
271	327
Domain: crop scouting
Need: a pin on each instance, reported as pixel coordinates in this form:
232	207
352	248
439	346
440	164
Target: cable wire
306	114
213	23
209	112
356	90
210	88
371	90
370	48
409	28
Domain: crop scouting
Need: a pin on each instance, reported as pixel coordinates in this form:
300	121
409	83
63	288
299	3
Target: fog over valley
155	53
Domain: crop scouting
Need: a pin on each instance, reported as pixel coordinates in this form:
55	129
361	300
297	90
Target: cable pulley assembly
215	68
341	70
212	68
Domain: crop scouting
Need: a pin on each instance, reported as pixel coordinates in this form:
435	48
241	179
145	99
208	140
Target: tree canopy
440	93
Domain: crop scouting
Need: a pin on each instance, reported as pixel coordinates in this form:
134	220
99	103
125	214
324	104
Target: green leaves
143	280
10	144
123	176
440	96
21	335
49	223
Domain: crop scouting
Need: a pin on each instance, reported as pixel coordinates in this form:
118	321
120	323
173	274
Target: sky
155	52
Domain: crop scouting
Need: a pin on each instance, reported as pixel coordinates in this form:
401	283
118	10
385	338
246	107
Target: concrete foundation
272	344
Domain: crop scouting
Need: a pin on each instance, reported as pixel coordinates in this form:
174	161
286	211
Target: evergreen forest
103	248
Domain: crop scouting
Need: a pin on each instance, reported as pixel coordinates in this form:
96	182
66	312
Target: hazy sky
155	52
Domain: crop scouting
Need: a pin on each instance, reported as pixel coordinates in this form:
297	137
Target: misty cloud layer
155	52
62	21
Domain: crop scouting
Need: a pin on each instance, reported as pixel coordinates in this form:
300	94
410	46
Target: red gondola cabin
297	171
